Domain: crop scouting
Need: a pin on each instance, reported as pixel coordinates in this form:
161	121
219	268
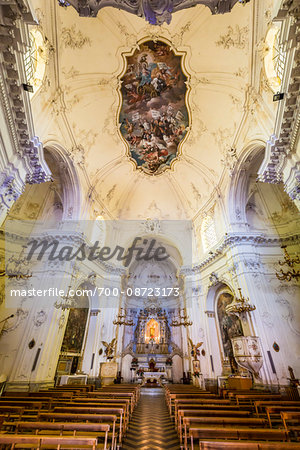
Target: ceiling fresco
154	116
85	106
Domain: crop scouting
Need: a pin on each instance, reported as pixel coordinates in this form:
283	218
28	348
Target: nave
163	417
151	426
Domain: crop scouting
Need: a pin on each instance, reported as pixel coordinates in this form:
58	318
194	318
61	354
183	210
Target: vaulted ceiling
79	101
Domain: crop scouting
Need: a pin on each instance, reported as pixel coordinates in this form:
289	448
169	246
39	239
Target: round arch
238	189
72	195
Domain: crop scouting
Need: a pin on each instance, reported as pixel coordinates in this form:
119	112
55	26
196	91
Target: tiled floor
151	427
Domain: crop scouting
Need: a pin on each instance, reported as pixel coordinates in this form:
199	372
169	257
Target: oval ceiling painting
154	116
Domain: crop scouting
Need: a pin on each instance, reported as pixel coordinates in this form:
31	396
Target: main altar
152	333
151	347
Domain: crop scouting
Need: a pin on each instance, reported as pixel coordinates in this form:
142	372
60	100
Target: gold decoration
181	320
240	305
291	262
122	320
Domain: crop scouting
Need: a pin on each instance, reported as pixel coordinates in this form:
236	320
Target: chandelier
17	267
122	319
291	263
181	320
240	305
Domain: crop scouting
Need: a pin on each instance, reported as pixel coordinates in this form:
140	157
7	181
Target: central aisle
150	426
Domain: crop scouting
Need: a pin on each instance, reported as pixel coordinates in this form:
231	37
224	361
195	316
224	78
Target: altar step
151	427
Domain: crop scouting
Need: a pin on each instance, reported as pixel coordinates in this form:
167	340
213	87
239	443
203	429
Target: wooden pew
246	399
248	422
198	402
171	397
46	401
110	397
276	409
89	429
227	392
41	441
291	421
119	411
108	394
261	404
208	413
111	419
95	404
136	389
27	404
204	433
247	445
179	389
12	411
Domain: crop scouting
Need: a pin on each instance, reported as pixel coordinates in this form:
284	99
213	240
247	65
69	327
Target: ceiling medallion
154	115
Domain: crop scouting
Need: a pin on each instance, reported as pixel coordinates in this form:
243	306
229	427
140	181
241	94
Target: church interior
149	213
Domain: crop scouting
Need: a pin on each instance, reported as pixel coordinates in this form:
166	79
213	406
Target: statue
110	349
194	348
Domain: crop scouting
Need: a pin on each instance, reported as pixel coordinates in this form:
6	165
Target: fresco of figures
153	116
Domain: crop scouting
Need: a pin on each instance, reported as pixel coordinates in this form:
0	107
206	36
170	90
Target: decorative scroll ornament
18	267
291	262
240	305
156	12
122	319
181	320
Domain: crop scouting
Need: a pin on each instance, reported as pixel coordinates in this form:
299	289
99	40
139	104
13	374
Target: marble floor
151	427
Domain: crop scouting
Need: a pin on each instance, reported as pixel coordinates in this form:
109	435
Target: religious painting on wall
230	327
154	116
152	331
75	330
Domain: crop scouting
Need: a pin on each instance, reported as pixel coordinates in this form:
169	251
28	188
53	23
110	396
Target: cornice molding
26	148
65	238
235	239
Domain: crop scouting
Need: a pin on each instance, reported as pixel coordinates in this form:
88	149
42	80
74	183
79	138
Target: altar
153	376
73	379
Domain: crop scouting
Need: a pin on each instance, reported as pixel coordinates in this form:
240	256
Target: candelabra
182	320
122	319
290	262
240	305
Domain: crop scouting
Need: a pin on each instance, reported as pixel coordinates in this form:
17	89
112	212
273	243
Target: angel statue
194	348
110	349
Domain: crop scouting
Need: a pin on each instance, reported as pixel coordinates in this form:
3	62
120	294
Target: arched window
208	233
275	56
35	59
99	231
